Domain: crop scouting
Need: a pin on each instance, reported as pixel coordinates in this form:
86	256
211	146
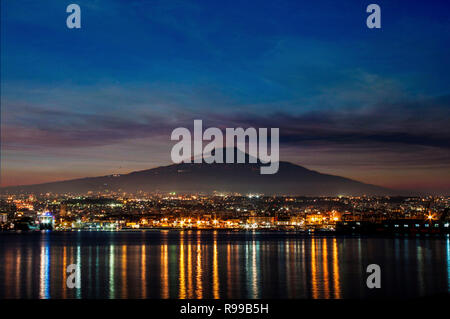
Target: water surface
219	264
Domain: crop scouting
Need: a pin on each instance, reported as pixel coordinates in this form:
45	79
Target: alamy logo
73	21
73	280
374	19
374	279
213	151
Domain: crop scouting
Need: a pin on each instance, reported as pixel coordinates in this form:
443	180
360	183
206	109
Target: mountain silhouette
206	178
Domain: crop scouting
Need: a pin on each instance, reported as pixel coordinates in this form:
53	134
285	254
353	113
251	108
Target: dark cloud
33	127
421	123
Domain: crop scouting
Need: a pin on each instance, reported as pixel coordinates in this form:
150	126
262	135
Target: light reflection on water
44	272
448	263
219	264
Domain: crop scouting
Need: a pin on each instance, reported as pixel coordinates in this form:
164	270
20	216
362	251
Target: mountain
245	178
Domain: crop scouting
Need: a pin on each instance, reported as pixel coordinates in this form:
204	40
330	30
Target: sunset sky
368	104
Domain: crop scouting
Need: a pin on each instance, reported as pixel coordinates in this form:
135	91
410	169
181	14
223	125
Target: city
224	211
220	158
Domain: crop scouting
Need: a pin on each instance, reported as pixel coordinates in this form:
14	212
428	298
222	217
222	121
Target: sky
368	104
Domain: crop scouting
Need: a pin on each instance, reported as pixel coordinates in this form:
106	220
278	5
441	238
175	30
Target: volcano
206	178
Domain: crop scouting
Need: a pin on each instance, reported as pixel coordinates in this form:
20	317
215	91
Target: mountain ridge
244	178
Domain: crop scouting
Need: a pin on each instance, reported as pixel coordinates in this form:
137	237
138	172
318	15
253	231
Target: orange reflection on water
144	271
229	282
215	269
198	270
314	269
164	272
18	264
124	271
182	270
64	281
190	289
325	269
336	283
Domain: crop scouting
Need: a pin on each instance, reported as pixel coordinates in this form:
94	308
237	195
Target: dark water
216	264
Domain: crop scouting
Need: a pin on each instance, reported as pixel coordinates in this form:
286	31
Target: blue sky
363	103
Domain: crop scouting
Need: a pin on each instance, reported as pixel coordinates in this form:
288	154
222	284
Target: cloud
411	123
420	122
33	127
